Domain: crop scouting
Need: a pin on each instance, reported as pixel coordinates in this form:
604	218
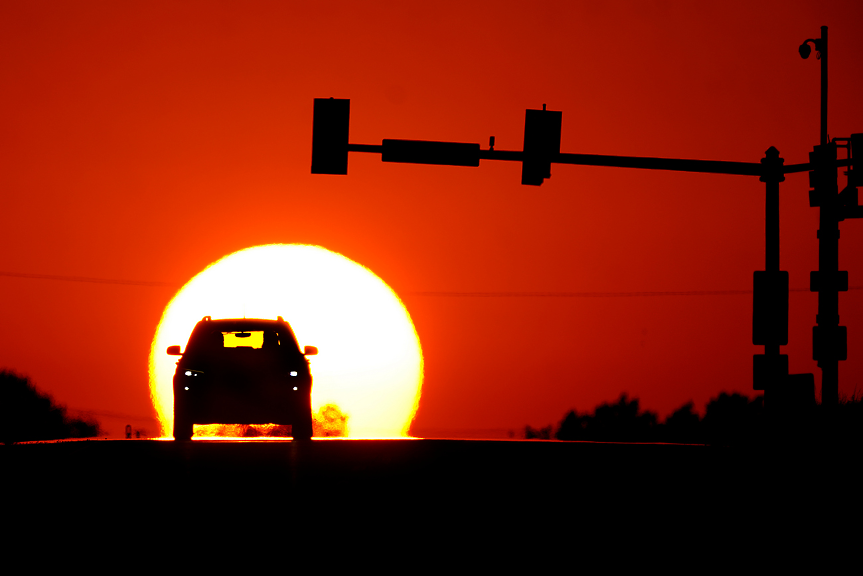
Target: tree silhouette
573	427
622	421
329	421
683	426
538	433
27	414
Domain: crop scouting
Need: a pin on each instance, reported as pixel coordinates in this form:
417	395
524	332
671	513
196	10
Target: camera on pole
541	144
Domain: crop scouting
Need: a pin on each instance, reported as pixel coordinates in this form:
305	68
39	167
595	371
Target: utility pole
829	339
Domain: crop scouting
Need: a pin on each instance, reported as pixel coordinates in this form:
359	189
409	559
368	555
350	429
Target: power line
447	294
90	280
428	293
578	294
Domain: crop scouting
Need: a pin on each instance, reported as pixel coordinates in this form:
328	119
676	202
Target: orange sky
145	140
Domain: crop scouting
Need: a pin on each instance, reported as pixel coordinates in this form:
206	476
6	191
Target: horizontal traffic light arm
794	168
463	154
674	164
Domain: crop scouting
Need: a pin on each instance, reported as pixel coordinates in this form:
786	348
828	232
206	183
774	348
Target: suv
242	371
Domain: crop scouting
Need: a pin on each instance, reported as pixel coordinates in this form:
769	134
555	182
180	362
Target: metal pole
824	53
770	292
773	176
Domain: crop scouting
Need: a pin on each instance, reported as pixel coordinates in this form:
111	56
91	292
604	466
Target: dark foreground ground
680	495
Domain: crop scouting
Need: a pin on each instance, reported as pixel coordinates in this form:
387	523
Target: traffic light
849	195
855	173
822	177
330	136
541	144
770	308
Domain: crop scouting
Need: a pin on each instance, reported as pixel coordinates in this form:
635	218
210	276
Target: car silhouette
242	371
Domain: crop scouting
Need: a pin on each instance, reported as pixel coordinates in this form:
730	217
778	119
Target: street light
820	45
805	50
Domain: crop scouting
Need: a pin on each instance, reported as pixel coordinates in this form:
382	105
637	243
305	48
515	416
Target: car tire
183	427
182	430
301	429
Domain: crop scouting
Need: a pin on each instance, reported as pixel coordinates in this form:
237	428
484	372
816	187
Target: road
474	487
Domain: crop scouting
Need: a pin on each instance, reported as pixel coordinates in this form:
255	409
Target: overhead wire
428	293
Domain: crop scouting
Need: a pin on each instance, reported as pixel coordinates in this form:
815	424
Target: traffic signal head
541	144
855	171
823	174
330	136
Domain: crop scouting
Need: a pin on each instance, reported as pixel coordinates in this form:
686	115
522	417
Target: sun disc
370	362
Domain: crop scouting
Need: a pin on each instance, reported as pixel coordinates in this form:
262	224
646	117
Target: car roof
236	324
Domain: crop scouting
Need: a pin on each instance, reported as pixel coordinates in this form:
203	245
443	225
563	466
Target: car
242	371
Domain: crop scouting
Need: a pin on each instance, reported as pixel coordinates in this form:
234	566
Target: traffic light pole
330	148
770	293
829	339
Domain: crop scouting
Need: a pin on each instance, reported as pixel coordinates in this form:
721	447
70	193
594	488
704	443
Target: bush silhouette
730	419
538	434
27	414
622	421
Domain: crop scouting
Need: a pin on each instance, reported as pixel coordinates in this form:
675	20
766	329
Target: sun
370	362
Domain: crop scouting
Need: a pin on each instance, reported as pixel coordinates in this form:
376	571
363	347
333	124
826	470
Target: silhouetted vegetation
27	414
538	433
328	421
729	419
733	419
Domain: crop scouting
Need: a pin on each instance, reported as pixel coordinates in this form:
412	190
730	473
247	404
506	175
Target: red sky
145	140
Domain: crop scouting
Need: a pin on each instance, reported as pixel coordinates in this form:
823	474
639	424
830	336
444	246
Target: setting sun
370	363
